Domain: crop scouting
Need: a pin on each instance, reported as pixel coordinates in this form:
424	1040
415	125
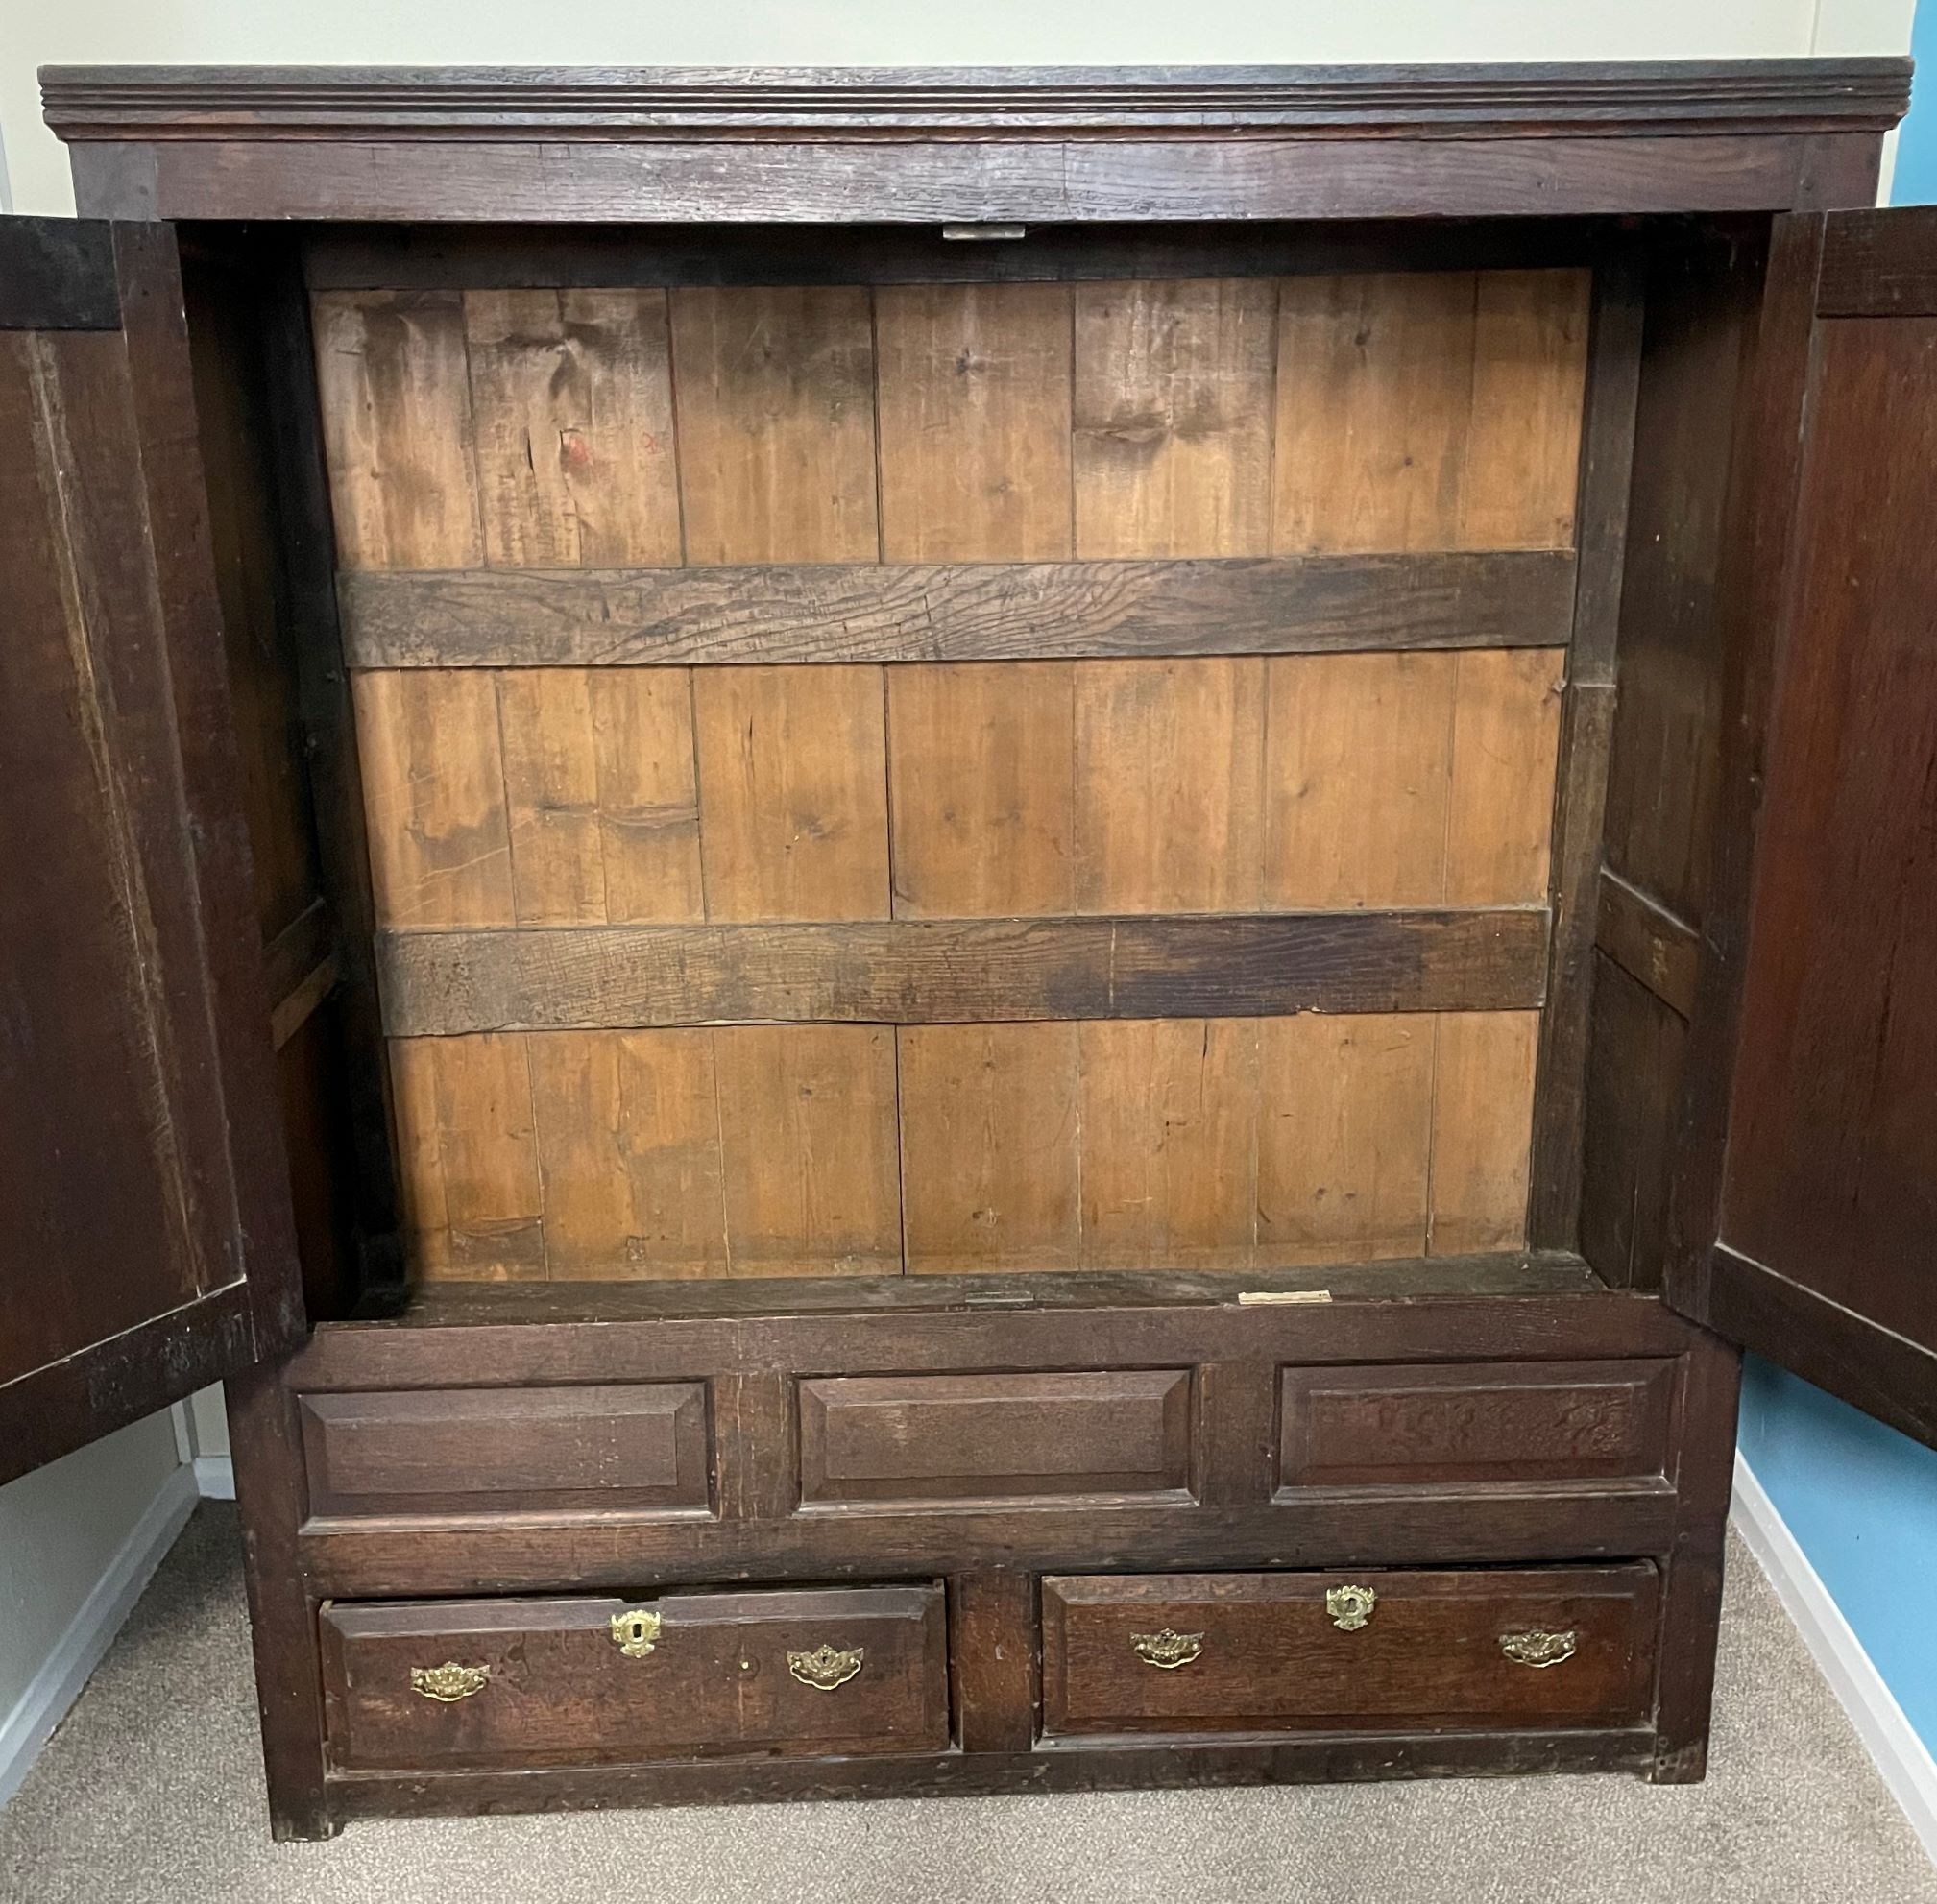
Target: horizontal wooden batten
1649	942
957	611
957	971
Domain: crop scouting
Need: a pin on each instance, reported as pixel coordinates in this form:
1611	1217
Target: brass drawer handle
448	1682
1167	1650
635	1633
826	1667
1350	1606
1538	1648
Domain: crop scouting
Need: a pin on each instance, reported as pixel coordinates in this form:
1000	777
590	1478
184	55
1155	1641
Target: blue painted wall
1860	1497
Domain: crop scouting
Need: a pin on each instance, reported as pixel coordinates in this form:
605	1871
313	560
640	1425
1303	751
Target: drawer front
1416	1425
518	1683
911	1438
1259	1652
465	1450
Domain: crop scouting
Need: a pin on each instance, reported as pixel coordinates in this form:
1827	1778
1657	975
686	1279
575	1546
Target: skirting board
215	1477
1887	1736
58	1684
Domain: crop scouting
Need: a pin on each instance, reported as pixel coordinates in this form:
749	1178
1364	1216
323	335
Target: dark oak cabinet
968	930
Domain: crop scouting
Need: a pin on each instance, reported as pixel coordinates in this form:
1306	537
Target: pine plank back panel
988	461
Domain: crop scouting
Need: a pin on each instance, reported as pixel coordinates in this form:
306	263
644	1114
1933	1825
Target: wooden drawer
639	1447
825	1671
1262	1652
1420	1424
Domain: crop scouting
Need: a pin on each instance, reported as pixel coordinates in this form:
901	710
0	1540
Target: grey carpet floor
151	1794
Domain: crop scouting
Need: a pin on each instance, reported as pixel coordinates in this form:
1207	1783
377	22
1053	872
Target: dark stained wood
59	276
150	1249
928	970
994	1666
1271	1657
1879	264
756	1424
717	1680
955	612
987	1437
1648	943
1237	1429
637	1448
1455	1423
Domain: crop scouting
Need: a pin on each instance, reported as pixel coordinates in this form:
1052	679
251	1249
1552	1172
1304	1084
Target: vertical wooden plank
1173	418
992	1660
648	800
467	1103
1506	742
433	785
980	789
396	397
629	1151
974	422
551	796
807	1118
1168	1111
420	1154
775	423
571	399
1357	779
755	1444
1343	1134
793	792
990	1146
1168	757
1482	1108
1374	391
1523	447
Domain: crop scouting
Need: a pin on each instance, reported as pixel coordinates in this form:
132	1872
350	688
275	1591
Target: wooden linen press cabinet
1022	1005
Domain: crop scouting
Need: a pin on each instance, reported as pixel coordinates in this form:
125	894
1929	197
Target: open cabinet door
146	1242
1808	1231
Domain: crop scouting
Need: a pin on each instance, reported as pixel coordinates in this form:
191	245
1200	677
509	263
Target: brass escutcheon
826	1667
1350	1606
635	1631
449	1681
1538	1648
1168	1650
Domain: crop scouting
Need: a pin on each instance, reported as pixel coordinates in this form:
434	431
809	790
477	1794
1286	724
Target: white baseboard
215	1477
1901	1756
58	1684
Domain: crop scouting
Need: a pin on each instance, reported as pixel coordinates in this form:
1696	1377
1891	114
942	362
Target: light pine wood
806	1120
1169	1113
433	788
1506	744
775	423
396	399
1482	1100
469	1157
1169	758
571	402
981	790
793	792
1429	410
1343	1137
551	796
1173	418
990	1147
974	422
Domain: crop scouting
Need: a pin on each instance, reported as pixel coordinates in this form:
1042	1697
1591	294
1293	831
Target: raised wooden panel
1268	1655
995	1437
1344	1136
1173	417
718	1682
571	409
793	792
1429	410
1482	1097
974	393
394	386
806	1120
1455	1423
775	423
639	1448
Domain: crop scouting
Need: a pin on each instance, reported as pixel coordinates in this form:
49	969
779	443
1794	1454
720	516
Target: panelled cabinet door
145	1236
1820	1200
